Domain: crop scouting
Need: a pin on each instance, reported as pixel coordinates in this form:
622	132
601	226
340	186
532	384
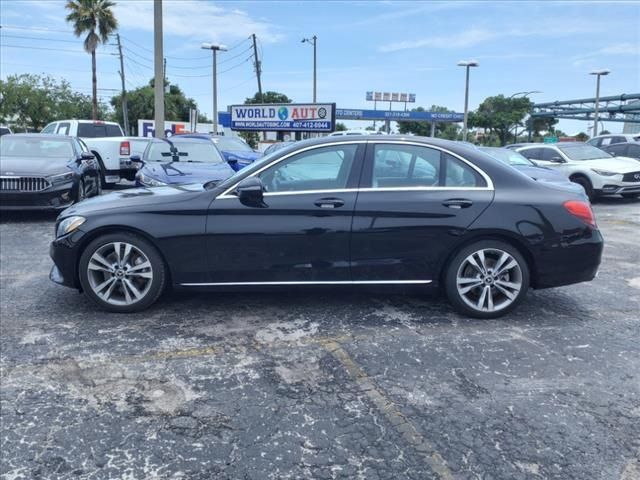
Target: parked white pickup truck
107	142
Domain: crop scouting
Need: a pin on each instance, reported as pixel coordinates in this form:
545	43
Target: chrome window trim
338	282
227	195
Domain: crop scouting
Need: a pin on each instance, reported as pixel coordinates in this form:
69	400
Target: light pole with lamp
468	64
313	41
214	48
524	95
598	74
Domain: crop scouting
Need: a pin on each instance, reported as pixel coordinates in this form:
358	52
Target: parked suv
108	144
598	172
626	149
610	139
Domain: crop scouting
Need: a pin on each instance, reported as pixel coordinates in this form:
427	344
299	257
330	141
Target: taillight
125	149
582	210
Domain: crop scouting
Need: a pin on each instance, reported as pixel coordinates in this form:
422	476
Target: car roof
41	136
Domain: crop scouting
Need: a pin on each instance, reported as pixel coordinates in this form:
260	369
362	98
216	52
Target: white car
598	172
107	142
613	138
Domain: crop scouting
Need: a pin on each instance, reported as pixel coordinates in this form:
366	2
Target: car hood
185	172
134	198
613	164
33	166
241	155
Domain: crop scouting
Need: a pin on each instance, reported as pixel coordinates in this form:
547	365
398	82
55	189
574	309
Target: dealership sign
397	115
290	117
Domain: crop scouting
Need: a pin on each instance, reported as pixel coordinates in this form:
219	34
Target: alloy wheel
120	273
489	280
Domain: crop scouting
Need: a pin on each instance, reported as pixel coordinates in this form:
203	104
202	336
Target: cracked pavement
322	383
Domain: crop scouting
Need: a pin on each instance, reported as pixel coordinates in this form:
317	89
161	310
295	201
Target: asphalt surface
320	384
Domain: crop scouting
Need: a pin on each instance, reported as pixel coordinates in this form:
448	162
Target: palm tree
89	16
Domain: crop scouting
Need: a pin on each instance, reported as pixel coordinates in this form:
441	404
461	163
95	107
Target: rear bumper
50	199
573	261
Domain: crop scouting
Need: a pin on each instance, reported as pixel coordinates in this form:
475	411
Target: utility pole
158	103
598	74
258	67
214	49
125	110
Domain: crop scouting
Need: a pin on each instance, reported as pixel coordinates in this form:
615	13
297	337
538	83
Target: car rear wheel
586	184
487	279
122	272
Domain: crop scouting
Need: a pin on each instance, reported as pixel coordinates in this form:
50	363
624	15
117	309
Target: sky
362	46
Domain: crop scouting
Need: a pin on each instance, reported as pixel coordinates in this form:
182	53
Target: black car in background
340	211
627	149
45	172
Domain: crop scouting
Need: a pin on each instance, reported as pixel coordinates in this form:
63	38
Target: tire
631	195
101	170
585	183
113	285
470	289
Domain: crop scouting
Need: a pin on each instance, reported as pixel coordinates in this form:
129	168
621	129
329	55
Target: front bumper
53	198
65	253
620	189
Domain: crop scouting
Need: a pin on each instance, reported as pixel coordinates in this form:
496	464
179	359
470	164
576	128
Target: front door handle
329	203
457	203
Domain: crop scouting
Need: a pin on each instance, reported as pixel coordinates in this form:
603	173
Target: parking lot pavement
323	384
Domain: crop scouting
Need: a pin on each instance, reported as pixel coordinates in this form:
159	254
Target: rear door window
51	128
63	128
532	153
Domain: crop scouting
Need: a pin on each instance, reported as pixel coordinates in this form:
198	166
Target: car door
300	233
414	201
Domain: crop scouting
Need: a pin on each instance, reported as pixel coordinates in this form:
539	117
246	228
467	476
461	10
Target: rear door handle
457	203
329	203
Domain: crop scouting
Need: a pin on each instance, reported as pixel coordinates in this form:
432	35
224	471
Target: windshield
165	151
508	156
231	144
583	152
35	147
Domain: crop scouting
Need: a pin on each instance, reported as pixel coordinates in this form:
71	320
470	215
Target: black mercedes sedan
45	172
373	210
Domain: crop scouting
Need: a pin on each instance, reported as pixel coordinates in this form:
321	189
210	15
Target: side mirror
135	159
557	159
87	156
250	191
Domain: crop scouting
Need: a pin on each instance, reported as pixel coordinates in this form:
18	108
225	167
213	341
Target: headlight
604	173
149	181
69	224
62	178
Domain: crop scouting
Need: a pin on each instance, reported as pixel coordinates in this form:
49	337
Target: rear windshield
35	148
509	157
583	152
231	144
183	152
96	130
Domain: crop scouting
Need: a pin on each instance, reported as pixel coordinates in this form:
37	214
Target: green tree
96	19
499	114
253	138
423	129
604	132
29	101
582	137
140	103
341	127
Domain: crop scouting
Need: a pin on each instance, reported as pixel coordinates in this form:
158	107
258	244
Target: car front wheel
122	272
487	279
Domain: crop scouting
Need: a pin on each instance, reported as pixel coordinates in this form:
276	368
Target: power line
35	29
52	49
27	37
171	57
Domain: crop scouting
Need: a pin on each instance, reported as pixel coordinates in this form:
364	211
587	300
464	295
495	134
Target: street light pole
214	49
467	64
598	74
313	41
158	96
